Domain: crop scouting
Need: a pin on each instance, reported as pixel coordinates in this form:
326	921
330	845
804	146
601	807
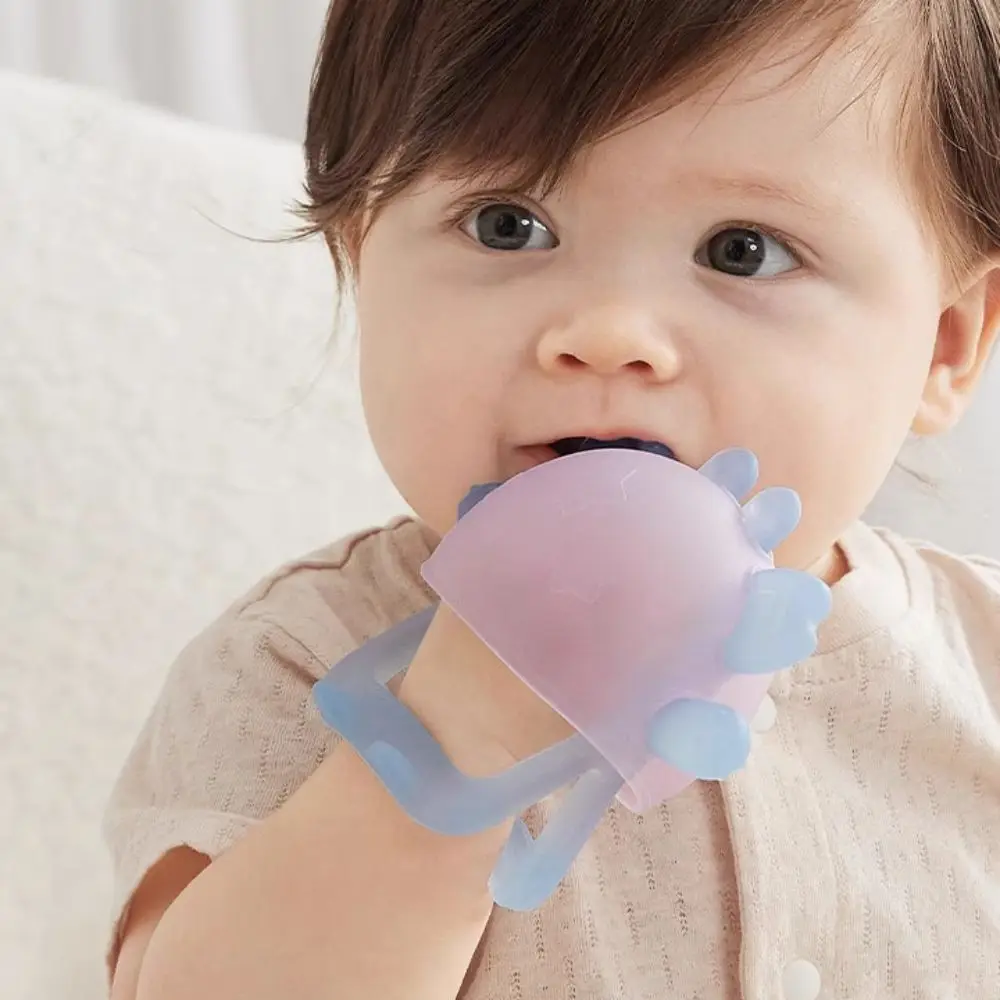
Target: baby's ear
967	333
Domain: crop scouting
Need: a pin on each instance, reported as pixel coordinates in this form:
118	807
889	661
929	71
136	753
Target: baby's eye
503	226
747	253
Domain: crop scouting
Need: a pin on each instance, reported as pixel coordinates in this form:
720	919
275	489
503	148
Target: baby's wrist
466	744
484	718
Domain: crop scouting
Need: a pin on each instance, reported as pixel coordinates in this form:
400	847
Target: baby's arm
161	886
338	894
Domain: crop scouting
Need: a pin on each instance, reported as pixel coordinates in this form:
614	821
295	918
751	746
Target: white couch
162	445
161	448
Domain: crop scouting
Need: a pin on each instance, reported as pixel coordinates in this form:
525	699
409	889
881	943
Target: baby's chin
832	567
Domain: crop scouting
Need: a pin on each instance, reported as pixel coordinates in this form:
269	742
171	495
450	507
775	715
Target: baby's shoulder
951	575
335	598
950	593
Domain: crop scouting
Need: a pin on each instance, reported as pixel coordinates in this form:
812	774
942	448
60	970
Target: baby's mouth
574	445
539	454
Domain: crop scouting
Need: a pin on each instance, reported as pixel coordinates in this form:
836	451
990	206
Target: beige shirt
863	836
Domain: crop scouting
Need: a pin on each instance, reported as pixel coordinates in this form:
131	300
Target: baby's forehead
819	137
791	97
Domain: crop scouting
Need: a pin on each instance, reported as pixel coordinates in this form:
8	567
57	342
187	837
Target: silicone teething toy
633	594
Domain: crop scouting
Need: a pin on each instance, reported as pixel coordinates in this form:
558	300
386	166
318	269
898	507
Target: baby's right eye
506	226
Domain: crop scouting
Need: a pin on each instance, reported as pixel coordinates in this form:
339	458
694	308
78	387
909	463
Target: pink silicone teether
609	582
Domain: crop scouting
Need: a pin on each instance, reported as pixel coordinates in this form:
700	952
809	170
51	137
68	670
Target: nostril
642	367
570	361
607	366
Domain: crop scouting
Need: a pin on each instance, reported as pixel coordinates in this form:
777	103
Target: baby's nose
609	341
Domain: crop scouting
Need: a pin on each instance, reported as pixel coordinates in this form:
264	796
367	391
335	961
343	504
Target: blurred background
241	64
177	417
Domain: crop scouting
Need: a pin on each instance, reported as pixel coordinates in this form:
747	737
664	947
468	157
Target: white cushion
160	449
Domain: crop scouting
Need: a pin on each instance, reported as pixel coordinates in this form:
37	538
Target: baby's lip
528	456
574	445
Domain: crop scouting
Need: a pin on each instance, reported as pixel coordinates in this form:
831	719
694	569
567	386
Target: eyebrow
806	198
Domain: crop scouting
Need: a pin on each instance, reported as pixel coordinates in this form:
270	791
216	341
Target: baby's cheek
836	477
434	472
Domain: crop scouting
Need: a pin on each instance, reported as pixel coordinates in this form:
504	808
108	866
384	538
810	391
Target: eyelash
462	210
465	208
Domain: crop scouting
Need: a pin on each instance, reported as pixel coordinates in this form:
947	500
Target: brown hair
520	87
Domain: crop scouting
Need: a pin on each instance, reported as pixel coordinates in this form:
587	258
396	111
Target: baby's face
744	270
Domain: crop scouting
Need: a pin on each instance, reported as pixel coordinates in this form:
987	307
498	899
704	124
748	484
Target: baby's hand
481	704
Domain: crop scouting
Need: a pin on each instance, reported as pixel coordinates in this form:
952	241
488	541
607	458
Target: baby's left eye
747	253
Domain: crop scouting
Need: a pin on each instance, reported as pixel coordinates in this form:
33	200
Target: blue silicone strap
529	870
353	700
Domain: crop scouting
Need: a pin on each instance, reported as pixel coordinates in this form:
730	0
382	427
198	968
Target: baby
771	224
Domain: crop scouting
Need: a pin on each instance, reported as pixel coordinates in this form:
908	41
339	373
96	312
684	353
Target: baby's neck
833	567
